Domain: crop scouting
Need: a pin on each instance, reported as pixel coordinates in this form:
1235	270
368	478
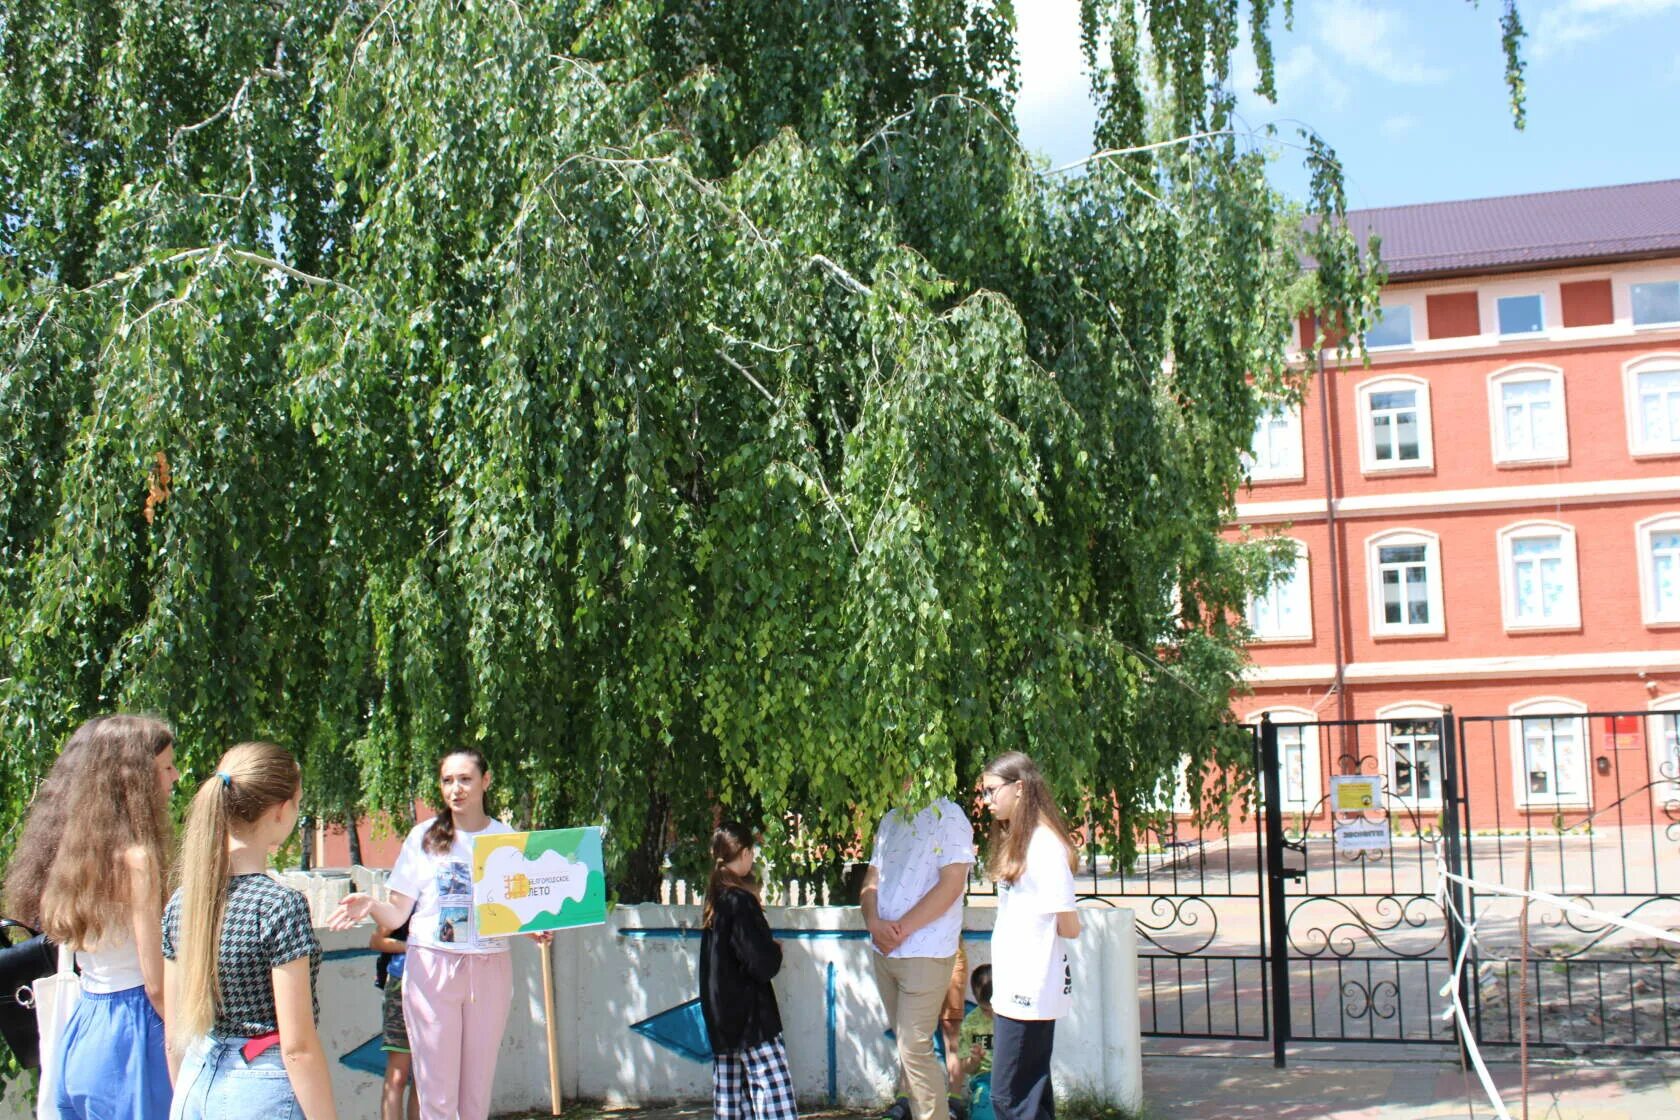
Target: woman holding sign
456	986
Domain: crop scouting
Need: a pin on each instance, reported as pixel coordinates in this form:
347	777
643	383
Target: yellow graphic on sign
1355	793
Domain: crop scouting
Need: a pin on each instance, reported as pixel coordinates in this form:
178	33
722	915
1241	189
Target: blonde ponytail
250	780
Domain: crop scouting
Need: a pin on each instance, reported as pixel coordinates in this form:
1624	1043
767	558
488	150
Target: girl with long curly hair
1032	862
99	891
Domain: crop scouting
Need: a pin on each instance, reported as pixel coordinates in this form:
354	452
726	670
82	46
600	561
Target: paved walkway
1340	1088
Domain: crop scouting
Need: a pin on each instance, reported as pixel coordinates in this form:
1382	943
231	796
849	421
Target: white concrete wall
645	960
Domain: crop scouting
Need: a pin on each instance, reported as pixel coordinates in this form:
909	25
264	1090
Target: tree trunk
645	866
353	833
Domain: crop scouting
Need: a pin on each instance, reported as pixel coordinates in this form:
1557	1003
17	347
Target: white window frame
1294	469
1503	454
1312	761
1633	283
1413	710
1647	363
1538	708
1383	310
1368	462
1665	761
1545	324
1644	541
1569	617
1302	575
1437	624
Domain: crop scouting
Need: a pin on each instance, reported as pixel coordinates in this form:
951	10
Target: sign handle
548	1026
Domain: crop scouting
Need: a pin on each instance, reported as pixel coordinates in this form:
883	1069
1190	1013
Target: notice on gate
1355	793
1362	836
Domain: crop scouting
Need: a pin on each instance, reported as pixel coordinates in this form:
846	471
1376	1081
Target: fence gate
1584	806
1199	897
1361	944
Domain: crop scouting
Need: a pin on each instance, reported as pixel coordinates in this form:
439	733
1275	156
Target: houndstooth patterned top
264	926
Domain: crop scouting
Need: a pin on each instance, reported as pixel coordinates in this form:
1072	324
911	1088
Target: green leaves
698	408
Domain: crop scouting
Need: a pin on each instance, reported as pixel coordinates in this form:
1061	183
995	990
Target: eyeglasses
988	794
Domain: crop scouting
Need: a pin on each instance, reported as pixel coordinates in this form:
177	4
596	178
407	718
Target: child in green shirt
974	1043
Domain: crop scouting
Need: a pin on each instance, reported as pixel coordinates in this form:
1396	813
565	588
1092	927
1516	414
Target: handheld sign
537	882
533	882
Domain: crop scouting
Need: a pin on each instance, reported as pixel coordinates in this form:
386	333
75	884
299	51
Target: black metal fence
1270	929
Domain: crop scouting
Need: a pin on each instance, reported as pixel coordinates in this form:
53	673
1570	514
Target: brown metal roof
1525	231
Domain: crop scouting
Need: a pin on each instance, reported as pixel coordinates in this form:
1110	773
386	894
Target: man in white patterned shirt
912	902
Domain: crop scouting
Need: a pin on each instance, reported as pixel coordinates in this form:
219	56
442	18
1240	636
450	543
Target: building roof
1520	232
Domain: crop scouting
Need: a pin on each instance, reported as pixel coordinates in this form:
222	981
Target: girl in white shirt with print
1032	861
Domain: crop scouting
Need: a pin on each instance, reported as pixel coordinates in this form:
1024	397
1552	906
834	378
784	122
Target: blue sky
1411	94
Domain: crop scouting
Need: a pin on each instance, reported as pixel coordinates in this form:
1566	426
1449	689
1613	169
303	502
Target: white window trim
1312	767
1292	472
1645	363
1642	534
1437	625
1640	281
1303	572
1413	303
1368	463
1542	706
1412	709
1521	293
1665	786
1571	616
1527	371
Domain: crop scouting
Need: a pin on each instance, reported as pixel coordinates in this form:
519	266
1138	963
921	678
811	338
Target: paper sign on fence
529	882
1355	793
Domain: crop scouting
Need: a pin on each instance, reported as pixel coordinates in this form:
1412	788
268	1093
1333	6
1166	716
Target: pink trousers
456	1005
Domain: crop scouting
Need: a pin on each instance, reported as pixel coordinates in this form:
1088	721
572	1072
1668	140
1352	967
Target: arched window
1652	387
1301	766
1540	586
1394	427
1284	612
1530	422
1411	753
1658	544
1549	751
1404	570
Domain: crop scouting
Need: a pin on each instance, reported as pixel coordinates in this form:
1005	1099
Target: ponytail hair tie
227	779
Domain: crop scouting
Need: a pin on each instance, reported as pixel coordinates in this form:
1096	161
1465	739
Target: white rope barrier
1456	1012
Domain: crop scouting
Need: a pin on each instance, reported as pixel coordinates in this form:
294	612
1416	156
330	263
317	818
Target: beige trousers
913	989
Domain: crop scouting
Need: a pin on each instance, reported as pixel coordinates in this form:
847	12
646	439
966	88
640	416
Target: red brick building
1487	517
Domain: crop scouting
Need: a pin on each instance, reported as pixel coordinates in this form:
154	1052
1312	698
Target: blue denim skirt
111	1064
217	1083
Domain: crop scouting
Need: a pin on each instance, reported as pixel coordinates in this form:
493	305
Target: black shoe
898	1110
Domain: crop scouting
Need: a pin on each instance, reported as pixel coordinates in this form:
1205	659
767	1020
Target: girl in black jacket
738	957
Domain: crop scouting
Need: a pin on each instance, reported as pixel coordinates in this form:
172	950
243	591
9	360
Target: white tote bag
55	1000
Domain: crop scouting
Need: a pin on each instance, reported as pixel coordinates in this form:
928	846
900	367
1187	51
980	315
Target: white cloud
1360	35
1054	108
1398	125
1568	23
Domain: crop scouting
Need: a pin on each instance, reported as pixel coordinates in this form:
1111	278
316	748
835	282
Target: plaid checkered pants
753	1084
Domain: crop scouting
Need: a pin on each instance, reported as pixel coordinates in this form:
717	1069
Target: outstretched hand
353	908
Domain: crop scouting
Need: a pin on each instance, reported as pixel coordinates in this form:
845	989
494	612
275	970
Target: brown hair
729	841
440	837
104	785
1033	807
251	779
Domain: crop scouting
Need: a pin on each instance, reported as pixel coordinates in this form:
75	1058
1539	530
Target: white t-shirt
1031	978
440	883
907	858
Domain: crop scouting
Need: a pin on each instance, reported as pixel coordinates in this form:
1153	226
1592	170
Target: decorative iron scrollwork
1381	1000
1347	930
1180	914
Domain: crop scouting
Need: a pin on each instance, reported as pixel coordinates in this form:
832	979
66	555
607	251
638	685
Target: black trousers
1021	1068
